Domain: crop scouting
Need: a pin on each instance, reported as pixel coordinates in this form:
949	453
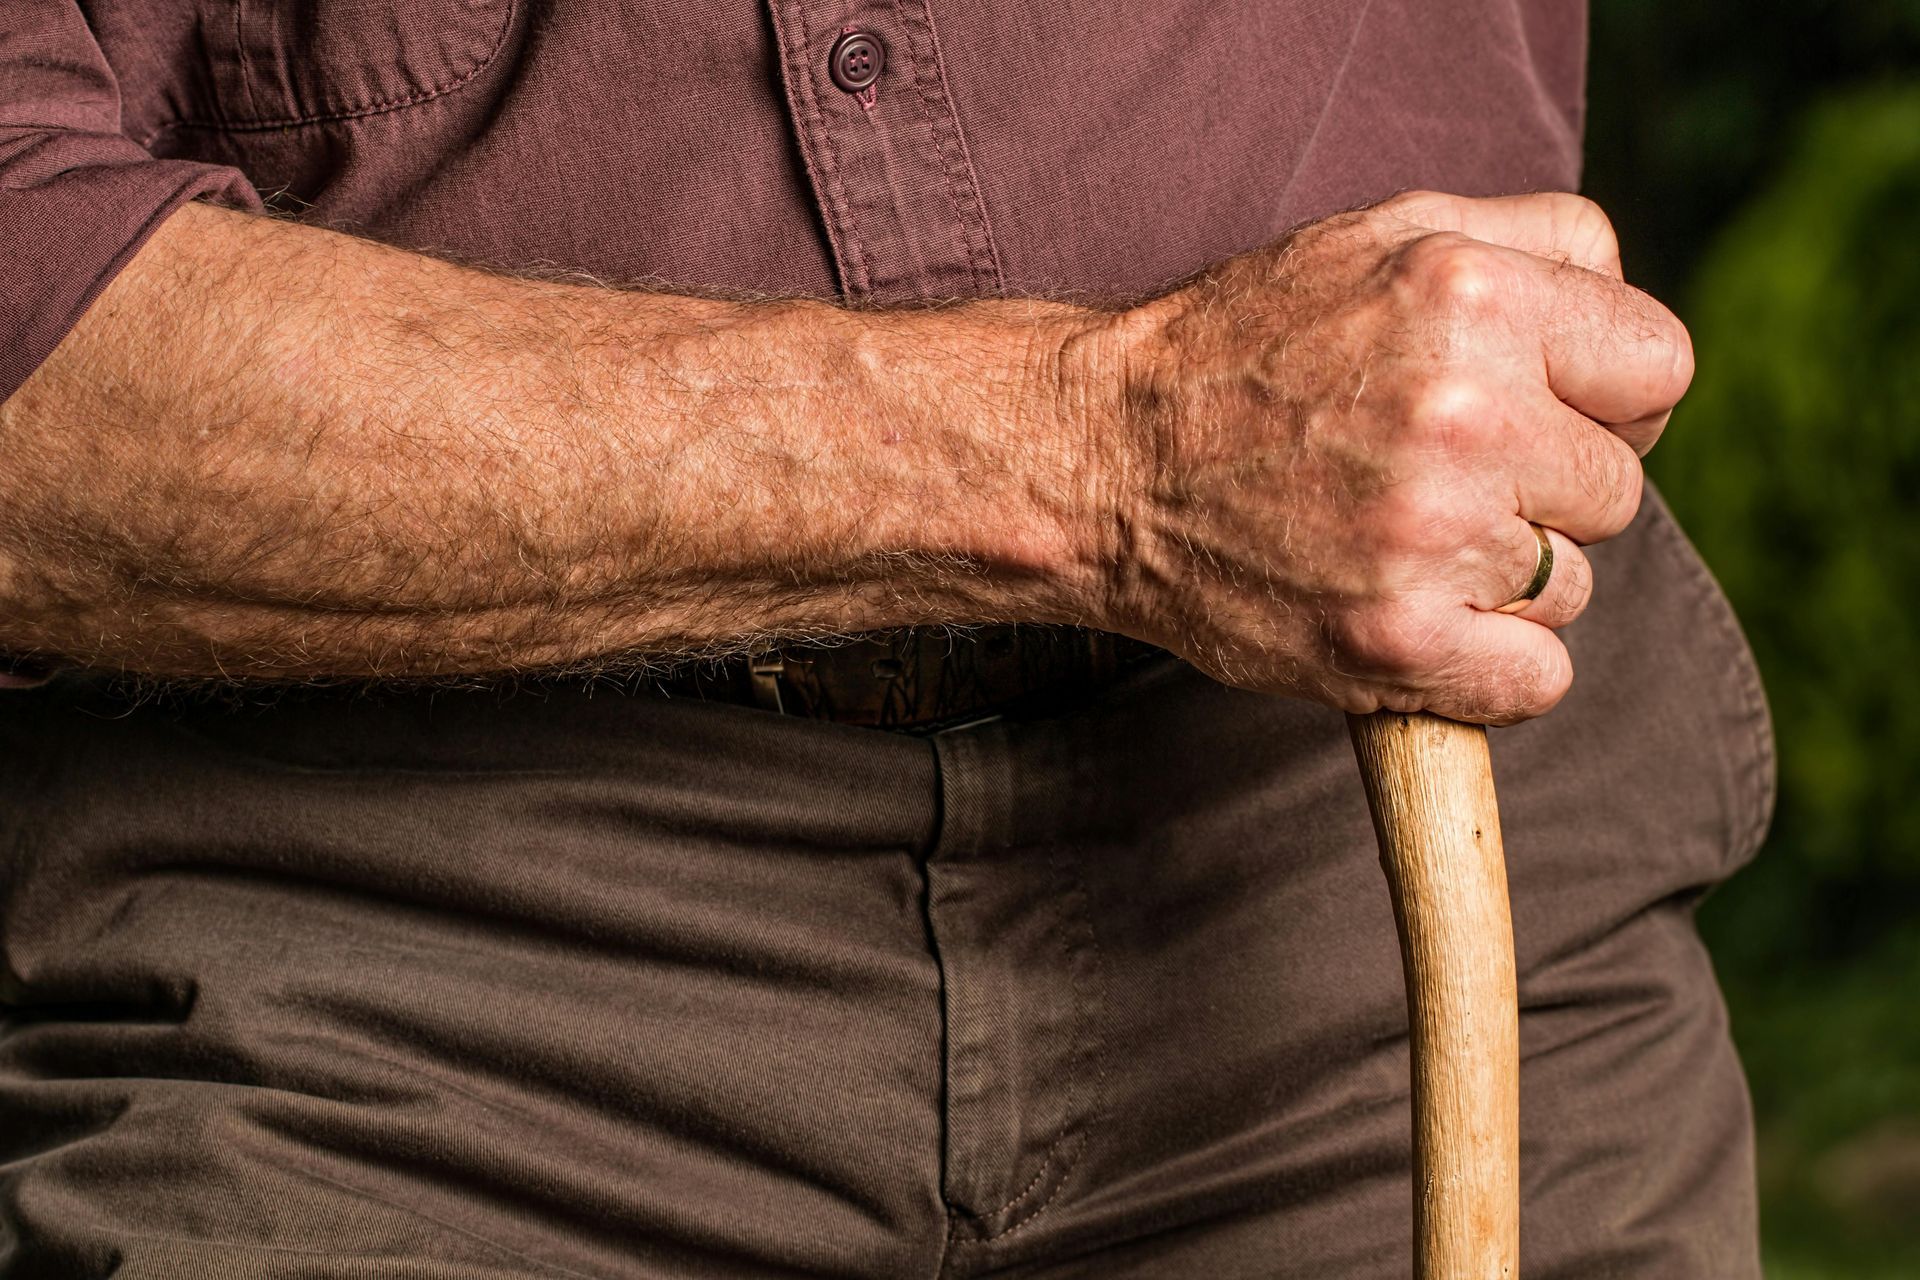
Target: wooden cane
1430	785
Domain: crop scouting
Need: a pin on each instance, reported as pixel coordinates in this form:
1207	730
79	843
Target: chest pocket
291	62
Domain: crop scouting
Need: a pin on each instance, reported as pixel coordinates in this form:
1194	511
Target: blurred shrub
1690	105
1795	465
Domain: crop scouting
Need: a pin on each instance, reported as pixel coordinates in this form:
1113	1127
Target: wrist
1099	362
1014	413
1074	396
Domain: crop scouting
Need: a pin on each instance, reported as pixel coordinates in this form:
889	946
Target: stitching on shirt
856	253
925	99
369	109
950	144
962	152
855	264
240	55
805	120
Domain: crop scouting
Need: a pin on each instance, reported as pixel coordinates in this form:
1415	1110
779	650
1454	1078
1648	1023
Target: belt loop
763	672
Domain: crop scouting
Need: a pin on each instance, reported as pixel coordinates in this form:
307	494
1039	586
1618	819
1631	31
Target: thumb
1552	224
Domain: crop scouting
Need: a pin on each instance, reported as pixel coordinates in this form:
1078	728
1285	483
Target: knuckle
1452	271
1451	411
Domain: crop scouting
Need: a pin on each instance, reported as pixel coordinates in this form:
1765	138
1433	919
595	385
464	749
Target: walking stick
1430	785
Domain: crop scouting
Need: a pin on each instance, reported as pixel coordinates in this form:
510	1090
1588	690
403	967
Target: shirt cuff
74	208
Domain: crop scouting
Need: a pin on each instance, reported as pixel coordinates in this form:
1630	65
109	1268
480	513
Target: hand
1335	444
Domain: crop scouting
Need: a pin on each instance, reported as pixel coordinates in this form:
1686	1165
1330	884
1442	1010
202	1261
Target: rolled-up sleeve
77	196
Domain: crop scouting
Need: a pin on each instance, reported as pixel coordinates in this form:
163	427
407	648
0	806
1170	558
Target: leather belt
921	679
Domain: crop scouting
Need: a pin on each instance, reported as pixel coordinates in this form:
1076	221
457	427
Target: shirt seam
382	107
949	143
818	142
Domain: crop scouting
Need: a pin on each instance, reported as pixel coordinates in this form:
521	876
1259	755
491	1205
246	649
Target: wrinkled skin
1340	439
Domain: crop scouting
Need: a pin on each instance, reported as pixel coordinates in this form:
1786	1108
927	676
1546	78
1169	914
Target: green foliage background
1763	165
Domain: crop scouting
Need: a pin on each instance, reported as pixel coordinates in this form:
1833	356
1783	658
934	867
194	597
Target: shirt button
856	61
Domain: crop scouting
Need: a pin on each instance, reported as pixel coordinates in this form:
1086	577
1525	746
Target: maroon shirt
1243	1068
1006	146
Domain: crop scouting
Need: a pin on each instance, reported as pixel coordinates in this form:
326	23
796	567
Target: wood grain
1429	783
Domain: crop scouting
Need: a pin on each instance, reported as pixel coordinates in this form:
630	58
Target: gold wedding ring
1542	574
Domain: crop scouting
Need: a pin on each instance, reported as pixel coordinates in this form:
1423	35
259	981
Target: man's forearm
271	450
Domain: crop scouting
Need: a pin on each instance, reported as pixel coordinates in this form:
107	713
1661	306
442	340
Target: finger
1447	657
1610	351
1642	433
1569	586
1507	669
1553	224
1574	475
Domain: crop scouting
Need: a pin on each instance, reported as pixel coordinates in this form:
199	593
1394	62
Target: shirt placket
884	150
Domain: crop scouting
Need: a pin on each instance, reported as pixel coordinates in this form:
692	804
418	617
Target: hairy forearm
271	450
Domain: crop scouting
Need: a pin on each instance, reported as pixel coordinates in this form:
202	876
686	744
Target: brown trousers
474	985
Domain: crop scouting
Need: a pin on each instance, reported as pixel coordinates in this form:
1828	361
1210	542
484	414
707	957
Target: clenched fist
1333	448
